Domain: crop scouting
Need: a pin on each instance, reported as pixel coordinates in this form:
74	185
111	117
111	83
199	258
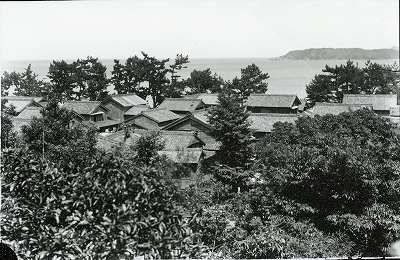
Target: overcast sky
200	29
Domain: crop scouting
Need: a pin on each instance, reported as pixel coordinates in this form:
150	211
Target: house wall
278	110
97	118
189	125
115	111
146	121
382	112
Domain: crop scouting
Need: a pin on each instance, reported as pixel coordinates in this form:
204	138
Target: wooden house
182	106
209	100
381	103
152	119
263	123
20	103
26	116
93	113
197	122
118	105
266	103
322	109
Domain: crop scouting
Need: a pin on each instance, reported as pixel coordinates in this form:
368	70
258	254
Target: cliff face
341	54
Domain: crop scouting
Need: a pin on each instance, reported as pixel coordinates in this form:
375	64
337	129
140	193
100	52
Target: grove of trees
374	78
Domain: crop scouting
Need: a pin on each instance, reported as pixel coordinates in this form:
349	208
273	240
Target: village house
118	105
268	103
20	103
182	106
322	109
208	99
181	147
134	111
381	103
26	116
198	122
93	113
263	123
152	119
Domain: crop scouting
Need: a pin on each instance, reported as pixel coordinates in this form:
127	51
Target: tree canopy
79	79
24	84
350	79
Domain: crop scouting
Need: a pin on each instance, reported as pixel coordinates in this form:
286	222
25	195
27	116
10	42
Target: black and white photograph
202	129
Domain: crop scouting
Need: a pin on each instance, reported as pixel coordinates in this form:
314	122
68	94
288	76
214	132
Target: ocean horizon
286	76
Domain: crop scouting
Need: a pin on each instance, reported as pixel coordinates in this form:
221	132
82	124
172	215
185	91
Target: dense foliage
351	79
103	211
24	84
252	80
231	128
345	169
54	137
79	79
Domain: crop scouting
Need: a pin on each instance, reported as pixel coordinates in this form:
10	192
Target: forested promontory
341	54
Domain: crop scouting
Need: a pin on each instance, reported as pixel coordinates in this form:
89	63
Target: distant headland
341	54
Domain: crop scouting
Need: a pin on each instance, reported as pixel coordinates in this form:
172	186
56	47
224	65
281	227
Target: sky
199	29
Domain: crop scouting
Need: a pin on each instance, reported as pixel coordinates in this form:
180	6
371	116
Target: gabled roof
201	115
264	122
336	108
19	122
182	104
269	100
191	155
176	140
20	103
22	98
208	99
106	143
159	115
83	107
378	101
136	110
29	113
104	123
189	116
127	100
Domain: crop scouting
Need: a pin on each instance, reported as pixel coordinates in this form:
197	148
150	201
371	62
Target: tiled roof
29	113
189	116
378	101
82	107
18	123
20	103
263	122
160	115
175	140
208	99
106	143
128	100
336	108
23	98
135	110
181	104
267	100
201	115
104	123
190	155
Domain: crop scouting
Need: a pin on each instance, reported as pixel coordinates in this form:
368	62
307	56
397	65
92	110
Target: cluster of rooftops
183	122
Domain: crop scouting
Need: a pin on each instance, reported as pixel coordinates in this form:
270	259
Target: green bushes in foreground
104	211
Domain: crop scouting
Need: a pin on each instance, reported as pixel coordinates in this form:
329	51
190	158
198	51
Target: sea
286	76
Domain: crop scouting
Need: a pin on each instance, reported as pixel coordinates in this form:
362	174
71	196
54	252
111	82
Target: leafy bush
104	211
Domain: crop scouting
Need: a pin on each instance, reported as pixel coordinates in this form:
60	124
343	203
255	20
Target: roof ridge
260	94
273	114
183	99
